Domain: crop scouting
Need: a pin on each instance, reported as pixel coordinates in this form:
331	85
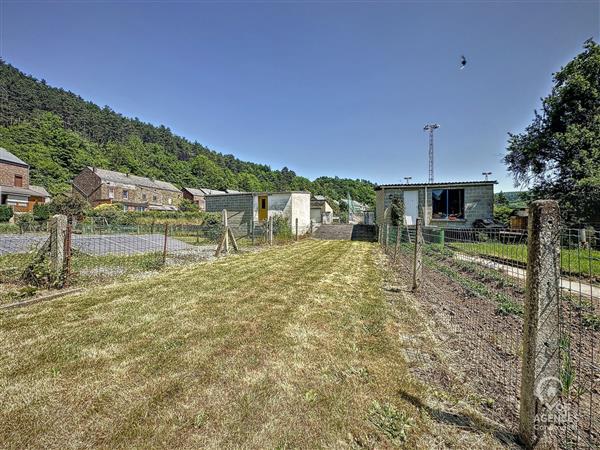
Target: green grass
573	261
292	347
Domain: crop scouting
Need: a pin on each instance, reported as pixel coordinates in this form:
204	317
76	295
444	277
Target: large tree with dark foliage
559	153
58	133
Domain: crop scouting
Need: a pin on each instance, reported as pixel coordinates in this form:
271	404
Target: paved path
105	244
574	286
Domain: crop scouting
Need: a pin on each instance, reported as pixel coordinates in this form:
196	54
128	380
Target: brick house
445	205
15	190
197	196
100	186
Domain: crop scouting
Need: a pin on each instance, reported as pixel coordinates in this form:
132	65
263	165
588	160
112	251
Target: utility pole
408	179
486	175
431	127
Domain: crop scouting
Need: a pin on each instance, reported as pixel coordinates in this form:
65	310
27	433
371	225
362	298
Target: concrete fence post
296	228
380	234
540	374
58	233
271	230
252	231
387	236
418	256
398	231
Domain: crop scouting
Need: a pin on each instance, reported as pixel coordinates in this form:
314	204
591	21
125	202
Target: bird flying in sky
463	62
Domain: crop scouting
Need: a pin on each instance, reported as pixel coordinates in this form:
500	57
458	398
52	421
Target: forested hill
58	133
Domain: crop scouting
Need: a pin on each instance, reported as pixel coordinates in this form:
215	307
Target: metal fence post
418	256
540	373
296	228
164	256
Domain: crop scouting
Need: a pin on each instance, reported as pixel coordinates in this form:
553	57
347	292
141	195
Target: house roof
231	192
319	197
42	192
22	191
7	156
203	191
122	178
443	184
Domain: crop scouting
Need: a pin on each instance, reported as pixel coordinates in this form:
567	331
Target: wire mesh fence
105	253
473	286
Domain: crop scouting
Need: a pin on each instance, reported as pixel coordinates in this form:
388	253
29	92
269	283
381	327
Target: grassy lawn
573	261
293	347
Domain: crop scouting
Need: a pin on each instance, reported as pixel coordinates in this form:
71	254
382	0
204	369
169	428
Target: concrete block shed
445	205
243	208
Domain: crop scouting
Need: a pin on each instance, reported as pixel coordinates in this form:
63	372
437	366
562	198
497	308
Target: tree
69	205
501	199
559	152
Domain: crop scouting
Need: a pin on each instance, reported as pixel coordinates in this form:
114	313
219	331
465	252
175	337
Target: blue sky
325	88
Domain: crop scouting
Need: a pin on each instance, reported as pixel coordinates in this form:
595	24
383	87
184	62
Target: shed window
263	203
448	204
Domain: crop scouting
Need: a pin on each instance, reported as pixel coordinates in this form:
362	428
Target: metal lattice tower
431	127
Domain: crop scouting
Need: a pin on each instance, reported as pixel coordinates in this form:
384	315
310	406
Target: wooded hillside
58	133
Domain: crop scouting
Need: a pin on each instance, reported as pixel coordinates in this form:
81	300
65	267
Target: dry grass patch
293	347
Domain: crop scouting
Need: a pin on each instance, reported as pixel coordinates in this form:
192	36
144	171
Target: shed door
411	206
263	207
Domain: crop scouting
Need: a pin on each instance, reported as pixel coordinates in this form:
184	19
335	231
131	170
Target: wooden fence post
164	256
226	230
296	229
418	256
540	374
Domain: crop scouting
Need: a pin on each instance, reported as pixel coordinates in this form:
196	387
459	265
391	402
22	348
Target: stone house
247	208
445	205
321	211
100	186
197	195
15	190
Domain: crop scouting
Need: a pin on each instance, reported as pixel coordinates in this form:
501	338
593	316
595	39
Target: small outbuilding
446	205
321	211
246	208
196	195
519	218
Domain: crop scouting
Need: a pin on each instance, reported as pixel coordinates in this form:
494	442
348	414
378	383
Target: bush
25	221
281	227
502	213
41	212
68	205
5	213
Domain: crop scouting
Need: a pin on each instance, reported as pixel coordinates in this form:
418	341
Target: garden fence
480	284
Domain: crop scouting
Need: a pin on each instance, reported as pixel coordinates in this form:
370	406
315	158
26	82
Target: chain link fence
93	255
473	283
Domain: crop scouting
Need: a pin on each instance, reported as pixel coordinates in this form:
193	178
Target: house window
18	180
144	197
448	204
170	201
154	198
125	194
111	192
